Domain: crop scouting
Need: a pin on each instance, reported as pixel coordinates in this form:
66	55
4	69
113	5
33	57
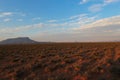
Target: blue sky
60	20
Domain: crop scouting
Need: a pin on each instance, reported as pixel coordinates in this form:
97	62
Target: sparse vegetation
60	61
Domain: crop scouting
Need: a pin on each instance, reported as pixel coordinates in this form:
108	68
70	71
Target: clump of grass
21	73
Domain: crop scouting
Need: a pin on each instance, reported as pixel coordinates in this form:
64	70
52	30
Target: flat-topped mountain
19	40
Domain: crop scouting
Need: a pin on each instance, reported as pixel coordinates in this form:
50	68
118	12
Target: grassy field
60	61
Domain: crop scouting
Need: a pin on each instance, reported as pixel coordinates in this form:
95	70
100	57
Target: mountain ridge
18	40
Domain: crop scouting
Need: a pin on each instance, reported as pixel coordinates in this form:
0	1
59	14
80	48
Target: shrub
21	73
115	70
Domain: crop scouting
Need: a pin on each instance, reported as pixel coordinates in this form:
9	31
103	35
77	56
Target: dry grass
60	61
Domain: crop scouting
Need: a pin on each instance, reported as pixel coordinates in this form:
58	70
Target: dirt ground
60	61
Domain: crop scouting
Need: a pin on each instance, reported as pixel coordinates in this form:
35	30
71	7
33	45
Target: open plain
60	61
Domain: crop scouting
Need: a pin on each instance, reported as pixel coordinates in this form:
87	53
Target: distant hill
20	40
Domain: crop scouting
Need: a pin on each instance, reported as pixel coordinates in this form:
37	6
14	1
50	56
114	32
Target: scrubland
60	61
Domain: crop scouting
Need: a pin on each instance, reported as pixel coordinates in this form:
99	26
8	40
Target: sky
60	20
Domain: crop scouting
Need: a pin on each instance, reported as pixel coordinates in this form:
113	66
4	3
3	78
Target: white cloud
77	28
84	1
6	20
23	14
36	18
115	20
78	16
52	21
104	29
107	29
20	20
98	7
73	21
110	1
20	29
80	20
8	16
5	14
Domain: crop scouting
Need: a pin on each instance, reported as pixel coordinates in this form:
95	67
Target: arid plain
60	61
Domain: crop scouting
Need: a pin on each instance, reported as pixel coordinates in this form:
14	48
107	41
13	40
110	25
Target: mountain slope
20	40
